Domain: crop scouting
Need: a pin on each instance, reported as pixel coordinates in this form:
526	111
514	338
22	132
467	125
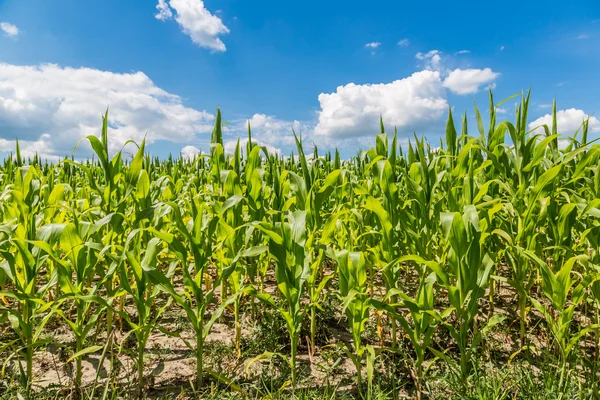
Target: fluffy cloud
271	130
9	29
468	81
568	121
354	110
404	43
196	21
432	59
230	145
413	103
164	11
373	45
190	152
462	52
50	108
29	148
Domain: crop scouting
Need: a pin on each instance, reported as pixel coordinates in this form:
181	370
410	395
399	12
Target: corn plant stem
394	333
121	307
78	347
199	364
294	343
199	348
597	334
29	376
394	299
223	295
238	327
563	368
101	362
313	318
491	298
141	339
140	367
357	363
419	383
523	319
28	331
313	328
465	362
109	313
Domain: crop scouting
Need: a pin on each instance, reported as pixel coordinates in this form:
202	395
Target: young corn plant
110	188
143	281
289	247
314	203
566	290
357	305
386	212
469	269
424	319
230	238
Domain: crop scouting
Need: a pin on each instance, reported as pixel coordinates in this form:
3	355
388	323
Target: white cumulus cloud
468	81
568	121
414	103
50	108
270	130
230	145
9	29
164	11
269	123
190	152
196	21
354	110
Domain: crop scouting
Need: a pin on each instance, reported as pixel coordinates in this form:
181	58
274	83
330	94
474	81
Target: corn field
432	263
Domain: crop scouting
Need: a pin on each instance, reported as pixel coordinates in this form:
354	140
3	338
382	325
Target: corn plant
289	247
316	199
469	269
424	317
143	282
565	294
197	240
357	306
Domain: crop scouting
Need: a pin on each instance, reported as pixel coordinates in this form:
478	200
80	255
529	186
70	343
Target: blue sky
328	68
